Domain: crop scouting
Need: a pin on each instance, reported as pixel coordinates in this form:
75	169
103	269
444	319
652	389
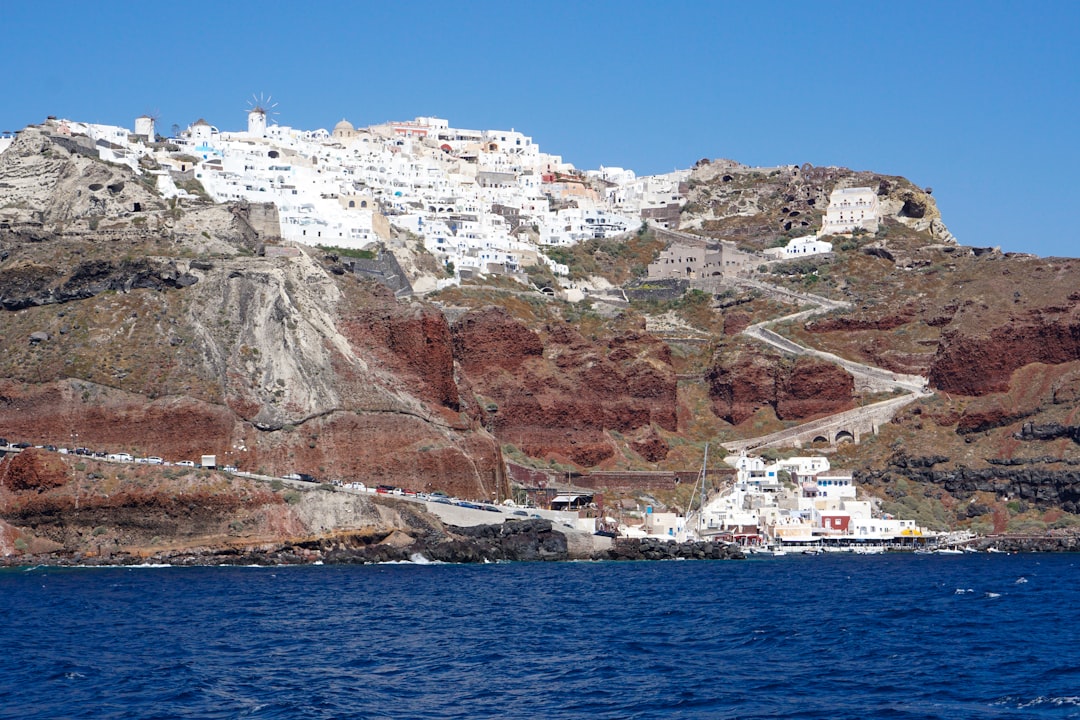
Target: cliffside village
490	202
797	503
481	201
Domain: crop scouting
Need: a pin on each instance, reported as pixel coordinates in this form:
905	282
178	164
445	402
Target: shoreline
530	542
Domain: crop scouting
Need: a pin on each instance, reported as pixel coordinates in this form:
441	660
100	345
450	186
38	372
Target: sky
979	100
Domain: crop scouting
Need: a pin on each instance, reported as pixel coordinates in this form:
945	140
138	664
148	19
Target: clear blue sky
979	99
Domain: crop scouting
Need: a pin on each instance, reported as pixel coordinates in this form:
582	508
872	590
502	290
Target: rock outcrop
743	383
974	360
558	396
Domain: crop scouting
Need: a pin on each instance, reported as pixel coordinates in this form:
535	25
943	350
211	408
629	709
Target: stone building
685	259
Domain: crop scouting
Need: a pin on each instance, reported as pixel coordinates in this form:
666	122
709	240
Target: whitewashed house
851	208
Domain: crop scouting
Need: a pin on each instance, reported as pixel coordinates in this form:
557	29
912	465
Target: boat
948	551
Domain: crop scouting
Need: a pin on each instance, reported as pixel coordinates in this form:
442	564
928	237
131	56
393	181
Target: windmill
260	107
145	124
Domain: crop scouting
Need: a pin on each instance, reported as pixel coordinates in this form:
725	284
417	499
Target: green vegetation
617	259
695	307
349	252
541	276
194	187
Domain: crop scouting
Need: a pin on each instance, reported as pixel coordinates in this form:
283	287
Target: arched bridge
848	426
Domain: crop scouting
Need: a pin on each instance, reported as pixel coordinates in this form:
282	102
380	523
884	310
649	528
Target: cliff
131	323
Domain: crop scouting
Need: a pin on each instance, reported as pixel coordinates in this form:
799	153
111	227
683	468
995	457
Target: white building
144	126
810	505
801	247
851	208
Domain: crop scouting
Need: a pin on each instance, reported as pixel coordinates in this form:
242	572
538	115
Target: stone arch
845	436
819	439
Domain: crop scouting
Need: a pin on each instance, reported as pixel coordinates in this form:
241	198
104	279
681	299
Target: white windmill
259	107
145	124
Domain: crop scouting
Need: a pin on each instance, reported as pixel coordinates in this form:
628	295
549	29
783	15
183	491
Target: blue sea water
898	636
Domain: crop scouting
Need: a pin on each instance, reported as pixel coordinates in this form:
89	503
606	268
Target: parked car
304	477
21	445
3	441
155	460
467	504
291	476
186	463
491	508
230	469
442	499
522	513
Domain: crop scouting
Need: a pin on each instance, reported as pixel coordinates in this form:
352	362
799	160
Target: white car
186	463
154	460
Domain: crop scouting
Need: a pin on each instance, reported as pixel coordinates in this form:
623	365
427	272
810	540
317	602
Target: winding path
850	424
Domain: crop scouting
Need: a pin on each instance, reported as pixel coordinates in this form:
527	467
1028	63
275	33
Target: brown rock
556	395
977	361
741	385
34	469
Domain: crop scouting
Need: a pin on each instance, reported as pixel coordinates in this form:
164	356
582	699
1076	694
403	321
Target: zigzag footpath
866	377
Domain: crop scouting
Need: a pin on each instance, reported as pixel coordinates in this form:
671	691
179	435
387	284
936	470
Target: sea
834	636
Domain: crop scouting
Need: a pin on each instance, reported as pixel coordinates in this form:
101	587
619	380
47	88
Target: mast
699	488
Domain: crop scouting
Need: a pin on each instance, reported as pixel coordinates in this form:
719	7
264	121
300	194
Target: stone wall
384	269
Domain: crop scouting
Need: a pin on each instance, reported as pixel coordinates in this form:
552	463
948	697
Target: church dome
343	127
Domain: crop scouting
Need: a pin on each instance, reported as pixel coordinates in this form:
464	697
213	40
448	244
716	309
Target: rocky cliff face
974	359
561	395
743	382
755	207
53	511
129	323
136	324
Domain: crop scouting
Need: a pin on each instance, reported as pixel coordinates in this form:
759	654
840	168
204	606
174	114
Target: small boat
948	551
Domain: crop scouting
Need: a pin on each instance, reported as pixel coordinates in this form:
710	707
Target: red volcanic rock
558	400
389	448
34	469
975	361
489	338
736	322
797	390
741	386
413	342
111	420
886	322
651	446
813	387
